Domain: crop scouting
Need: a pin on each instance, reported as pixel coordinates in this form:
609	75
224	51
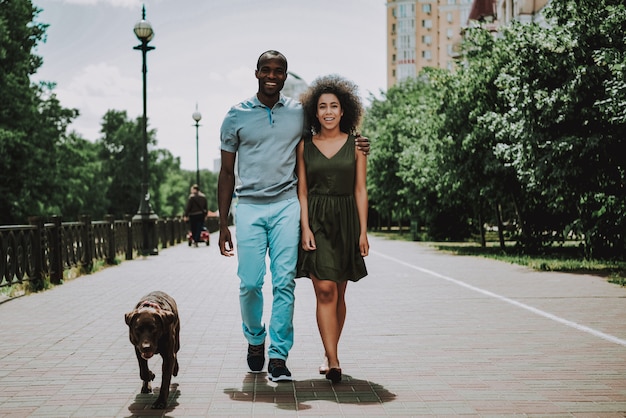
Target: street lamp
143	31
197	116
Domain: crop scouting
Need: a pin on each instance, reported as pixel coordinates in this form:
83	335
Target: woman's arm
360	196
307	238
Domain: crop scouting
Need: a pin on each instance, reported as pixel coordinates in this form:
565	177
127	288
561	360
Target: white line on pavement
539	312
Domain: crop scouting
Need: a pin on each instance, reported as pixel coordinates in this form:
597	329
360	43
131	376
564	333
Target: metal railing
47	248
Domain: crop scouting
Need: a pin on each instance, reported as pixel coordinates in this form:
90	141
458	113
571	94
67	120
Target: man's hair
271	54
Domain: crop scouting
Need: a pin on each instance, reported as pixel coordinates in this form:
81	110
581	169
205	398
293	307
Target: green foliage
121	153
531	124
21	150
382	126
47	171
564	147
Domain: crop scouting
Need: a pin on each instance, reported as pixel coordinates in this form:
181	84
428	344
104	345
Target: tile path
427	334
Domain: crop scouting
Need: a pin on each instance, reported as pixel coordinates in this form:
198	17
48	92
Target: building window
426	8
450	17
427	39
427	55
427	23
450	33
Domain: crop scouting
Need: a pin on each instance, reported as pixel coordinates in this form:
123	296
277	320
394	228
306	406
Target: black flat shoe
334	374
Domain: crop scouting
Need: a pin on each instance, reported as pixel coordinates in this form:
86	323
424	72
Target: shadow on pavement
294	395
142	407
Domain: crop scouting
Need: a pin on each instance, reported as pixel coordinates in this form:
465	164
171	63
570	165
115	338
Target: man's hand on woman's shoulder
363	144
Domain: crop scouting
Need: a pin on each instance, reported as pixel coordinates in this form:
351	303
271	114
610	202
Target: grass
565	258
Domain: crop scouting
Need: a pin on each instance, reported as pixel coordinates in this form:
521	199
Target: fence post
110	256
37	252
161	231
180	230
164	232
56	254
87	243
129	236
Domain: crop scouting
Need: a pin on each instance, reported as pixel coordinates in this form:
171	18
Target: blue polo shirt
265	142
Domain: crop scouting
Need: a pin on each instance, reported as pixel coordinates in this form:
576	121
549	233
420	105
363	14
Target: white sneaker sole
281	378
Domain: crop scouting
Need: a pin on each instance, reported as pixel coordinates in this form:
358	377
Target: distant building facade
497	13
423	33
428	33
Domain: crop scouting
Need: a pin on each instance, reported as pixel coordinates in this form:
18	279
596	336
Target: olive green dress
333	216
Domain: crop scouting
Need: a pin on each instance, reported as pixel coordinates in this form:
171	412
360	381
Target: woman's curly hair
347	93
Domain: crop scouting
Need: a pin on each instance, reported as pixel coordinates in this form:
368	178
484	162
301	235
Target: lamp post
197	116
143	31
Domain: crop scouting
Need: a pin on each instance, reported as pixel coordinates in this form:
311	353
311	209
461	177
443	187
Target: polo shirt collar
257	103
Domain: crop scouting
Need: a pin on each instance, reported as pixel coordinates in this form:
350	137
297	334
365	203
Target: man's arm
225	189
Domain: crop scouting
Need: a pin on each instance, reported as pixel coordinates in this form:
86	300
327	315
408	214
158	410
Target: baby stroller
204	237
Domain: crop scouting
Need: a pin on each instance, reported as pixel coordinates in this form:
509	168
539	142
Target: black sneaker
256	357
278	371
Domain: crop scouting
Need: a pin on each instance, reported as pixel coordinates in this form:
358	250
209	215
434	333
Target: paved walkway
427	334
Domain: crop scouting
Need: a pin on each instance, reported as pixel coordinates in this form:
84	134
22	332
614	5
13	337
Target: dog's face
146	326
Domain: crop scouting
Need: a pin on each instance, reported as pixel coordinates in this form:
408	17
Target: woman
333	203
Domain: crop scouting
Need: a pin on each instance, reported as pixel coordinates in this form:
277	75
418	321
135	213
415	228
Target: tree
32	123
83	190
120	150
556	135
381	124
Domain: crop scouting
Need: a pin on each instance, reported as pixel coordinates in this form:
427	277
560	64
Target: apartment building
427	33
423	33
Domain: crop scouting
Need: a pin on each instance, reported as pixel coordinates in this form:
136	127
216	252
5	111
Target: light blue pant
259	228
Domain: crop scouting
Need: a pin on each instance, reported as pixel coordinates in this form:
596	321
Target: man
196	211
263	133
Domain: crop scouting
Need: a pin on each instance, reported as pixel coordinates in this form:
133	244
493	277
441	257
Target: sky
205	56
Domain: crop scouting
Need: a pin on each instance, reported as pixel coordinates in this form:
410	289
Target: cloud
96	89
241	75
103	80
214	76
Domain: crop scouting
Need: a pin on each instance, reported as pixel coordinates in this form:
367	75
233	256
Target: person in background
333	200
262	132
196	211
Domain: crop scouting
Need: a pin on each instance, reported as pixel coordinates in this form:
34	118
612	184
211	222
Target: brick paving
427	334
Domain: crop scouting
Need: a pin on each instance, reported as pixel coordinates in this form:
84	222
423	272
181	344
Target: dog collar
148	304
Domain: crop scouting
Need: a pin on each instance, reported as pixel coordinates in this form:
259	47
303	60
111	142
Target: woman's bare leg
341	307
327	294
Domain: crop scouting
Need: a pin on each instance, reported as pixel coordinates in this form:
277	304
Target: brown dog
154	329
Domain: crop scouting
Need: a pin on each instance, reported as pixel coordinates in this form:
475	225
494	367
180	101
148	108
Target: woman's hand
308	240
364	245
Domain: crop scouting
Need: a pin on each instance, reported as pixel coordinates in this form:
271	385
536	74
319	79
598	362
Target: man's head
195	189
271	71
